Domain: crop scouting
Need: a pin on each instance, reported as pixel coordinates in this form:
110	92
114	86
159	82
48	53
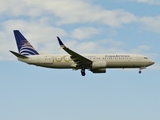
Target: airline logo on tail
24	47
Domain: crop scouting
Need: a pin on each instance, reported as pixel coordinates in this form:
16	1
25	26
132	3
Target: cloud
67	12
42	30
152	2
140	49
18	8
99	47
112	43
60	12
41	35
42	21
83	12
84	32
151	23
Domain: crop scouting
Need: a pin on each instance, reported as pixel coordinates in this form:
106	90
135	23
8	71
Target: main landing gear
83	73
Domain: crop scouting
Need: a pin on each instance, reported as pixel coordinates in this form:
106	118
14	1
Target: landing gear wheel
140	72
83	72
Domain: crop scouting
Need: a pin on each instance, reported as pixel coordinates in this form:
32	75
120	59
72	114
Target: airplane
96	63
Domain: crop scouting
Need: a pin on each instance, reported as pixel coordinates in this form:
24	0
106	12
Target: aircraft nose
151	62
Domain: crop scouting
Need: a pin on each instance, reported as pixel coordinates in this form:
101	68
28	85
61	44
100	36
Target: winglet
60	42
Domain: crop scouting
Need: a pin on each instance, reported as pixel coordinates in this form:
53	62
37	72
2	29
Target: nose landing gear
140	71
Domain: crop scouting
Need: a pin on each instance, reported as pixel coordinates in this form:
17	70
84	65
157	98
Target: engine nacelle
99	64
102	70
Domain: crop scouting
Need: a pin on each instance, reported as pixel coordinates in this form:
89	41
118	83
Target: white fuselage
96	63
112	60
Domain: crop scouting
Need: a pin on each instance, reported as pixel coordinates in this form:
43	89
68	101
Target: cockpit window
145	58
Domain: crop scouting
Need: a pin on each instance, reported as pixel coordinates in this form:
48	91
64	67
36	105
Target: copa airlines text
96	63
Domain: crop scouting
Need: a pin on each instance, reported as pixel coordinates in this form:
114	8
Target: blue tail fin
24	47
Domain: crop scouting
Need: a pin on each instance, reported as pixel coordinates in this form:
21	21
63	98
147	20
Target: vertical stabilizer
24	47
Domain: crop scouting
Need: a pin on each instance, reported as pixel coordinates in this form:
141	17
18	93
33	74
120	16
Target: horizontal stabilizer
18	55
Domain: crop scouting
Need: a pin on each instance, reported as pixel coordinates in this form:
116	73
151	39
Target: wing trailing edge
80	60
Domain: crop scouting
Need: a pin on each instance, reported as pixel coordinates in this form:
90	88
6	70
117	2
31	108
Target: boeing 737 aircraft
96	63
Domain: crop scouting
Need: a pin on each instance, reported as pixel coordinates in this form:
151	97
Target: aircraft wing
80	60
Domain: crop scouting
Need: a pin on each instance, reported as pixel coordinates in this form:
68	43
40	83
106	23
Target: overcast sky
86	26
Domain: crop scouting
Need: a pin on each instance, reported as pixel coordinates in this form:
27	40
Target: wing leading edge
81	61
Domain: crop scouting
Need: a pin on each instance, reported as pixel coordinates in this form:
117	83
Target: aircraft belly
62	65
122	64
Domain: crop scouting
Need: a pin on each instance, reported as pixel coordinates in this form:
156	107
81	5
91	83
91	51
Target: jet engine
102	70
99	67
